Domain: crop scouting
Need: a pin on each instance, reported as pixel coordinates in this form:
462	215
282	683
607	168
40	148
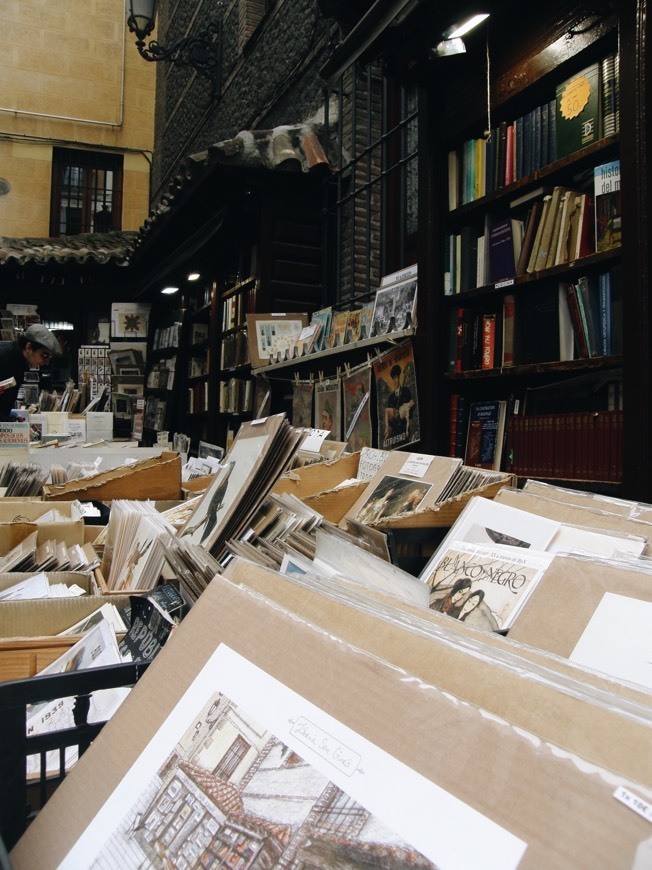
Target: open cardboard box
158	477
17	521
315	485
83	579
29	629
444	514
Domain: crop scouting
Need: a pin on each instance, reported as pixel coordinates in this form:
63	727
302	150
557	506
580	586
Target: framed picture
121	406
125	359
271	334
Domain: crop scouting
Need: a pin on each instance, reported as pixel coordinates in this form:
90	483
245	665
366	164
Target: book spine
509	330
510	155
576	320
604	313
488	341
608	92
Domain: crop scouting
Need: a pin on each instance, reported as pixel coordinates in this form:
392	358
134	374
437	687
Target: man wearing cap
33	348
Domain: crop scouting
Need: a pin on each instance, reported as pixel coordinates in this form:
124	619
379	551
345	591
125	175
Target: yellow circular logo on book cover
574	97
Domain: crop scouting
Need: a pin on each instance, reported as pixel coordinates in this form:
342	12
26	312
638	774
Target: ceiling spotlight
193	276
168	291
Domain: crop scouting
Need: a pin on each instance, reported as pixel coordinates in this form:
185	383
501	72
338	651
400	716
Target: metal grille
86	192
373	213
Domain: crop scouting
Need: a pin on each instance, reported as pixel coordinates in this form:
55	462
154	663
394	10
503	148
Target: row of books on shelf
556	321
583	110
197	397
550	227
237	305
576	446
166	336
236	396
571	429
235	350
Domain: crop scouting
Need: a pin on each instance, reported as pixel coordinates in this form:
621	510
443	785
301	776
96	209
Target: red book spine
510	154
488	341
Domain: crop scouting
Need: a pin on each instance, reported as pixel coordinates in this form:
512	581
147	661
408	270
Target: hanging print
302	404
357	416
396	398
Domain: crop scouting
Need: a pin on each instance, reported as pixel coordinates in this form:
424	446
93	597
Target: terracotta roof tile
86	248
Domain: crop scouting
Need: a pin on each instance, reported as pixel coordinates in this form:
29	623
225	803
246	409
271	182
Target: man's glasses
45	355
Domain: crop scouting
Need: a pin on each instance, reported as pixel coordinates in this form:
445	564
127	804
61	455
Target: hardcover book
577	111
501	251
484	442
608	212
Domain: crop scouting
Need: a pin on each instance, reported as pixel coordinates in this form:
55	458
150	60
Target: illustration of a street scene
231	794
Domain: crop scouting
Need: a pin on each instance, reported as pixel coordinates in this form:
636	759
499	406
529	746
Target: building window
86	192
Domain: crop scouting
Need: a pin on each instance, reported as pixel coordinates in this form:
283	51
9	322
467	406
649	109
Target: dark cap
41	335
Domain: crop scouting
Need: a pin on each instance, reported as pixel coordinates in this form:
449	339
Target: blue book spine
552	144
604	313
527	144
518	133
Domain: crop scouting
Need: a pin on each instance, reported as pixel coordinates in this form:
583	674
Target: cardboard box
323	717
447	512
154	478
28	630
191	488
315	485
82	579
17	522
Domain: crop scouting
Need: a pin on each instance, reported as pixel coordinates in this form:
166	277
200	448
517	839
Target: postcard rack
21	800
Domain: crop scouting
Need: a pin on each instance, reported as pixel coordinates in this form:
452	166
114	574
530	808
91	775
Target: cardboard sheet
354	732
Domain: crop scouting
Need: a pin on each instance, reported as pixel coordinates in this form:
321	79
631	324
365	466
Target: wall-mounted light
201	51
452	42
168	291
459	30
193	276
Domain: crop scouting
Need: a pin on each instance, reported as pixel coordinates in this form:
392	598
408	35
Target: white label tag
643	808
417	465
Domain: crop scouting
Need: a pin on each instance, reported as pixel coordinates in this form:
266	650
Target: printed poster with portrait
356	389
302	392
327	408
482	585
396	398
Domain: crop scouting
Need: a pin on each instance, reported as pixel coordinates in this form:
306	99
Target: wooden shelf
576	366
342	350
